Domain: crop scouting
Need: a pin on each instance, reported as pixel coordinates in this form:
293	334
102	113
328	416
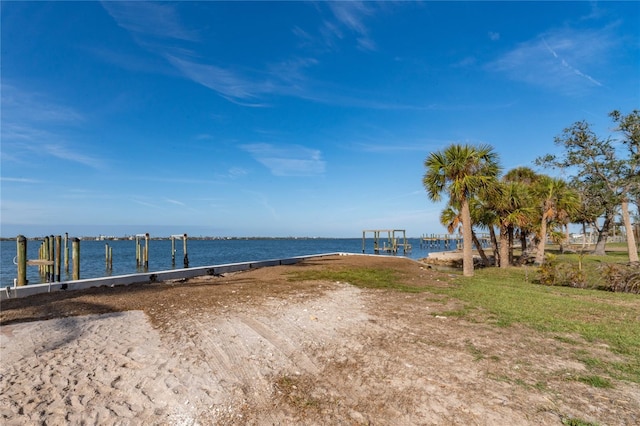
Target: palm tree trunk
510	245
478	244
504	246
543	240
631	241
496	246
467	243
524	254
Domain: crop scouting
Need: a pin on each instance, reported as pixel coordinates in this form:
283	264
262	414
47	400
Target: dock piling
184	247
66	252
21	260
392	241
58	257
52	254
108	257
185	258
75	255
142	254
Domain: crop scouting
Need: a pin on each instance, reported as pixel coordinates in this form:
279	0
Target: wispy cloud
65	153
158	29
159	20
186	181
236	172
146	204
25	142
176	202
285	78
289	160
228	83
264	202
569	68
32	124
20	105
558	59
349	15
19	180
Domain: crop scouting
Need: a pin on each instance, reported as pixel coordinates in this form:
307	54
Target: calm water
201	253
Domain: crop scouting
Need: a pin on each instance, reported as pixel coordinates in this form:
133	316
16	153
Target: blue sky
287	118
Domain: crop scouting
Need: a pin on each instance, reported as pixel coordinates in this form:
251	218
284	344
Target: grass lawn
599	317
505	297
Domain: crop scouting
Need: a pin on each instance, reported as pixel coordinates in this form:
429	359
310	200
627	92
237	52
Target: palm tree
527	177
557	201
462	171
513	209
450	217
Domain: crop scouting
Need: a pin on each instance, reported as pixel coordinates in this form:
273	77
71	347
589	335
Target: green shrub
621	278
553	272
547	272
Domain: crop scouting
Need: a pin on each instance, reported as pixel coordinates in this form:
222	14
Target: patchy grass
475	352
572	421
296	392
387	278
595	381
612	319
505	297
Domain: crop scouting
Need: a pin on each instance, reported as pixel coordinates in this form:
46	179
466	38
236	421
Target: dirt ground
258	348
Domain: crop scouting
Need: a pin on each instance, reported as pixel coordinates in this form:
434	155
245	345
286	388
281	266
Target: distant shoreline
203	238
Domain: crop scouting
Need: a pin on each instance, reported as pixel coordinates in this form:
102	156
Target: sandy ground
257	348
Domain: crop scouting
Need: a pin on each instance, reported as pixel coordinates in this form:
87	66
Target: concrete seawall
152	277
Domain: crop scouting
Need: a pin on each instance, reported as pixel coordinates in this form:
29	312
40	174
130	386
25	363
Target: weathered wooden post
184	247
45	256
138	260
110	258
107	257
41	256
146	251
75	255
66	252
404	241
173	251
58	256
52	254
21	258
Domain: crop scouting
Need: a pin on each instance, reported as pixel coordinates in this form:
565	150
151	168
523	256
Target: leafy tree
607	181
461	171
592	206
629	126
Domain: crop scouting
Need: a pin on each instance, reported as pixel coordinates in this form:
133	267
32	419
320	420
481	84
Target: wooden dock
449	241
393	243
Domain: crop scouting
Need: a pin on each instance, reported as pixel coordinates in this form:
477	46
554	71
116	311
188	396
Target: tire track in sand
290	350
